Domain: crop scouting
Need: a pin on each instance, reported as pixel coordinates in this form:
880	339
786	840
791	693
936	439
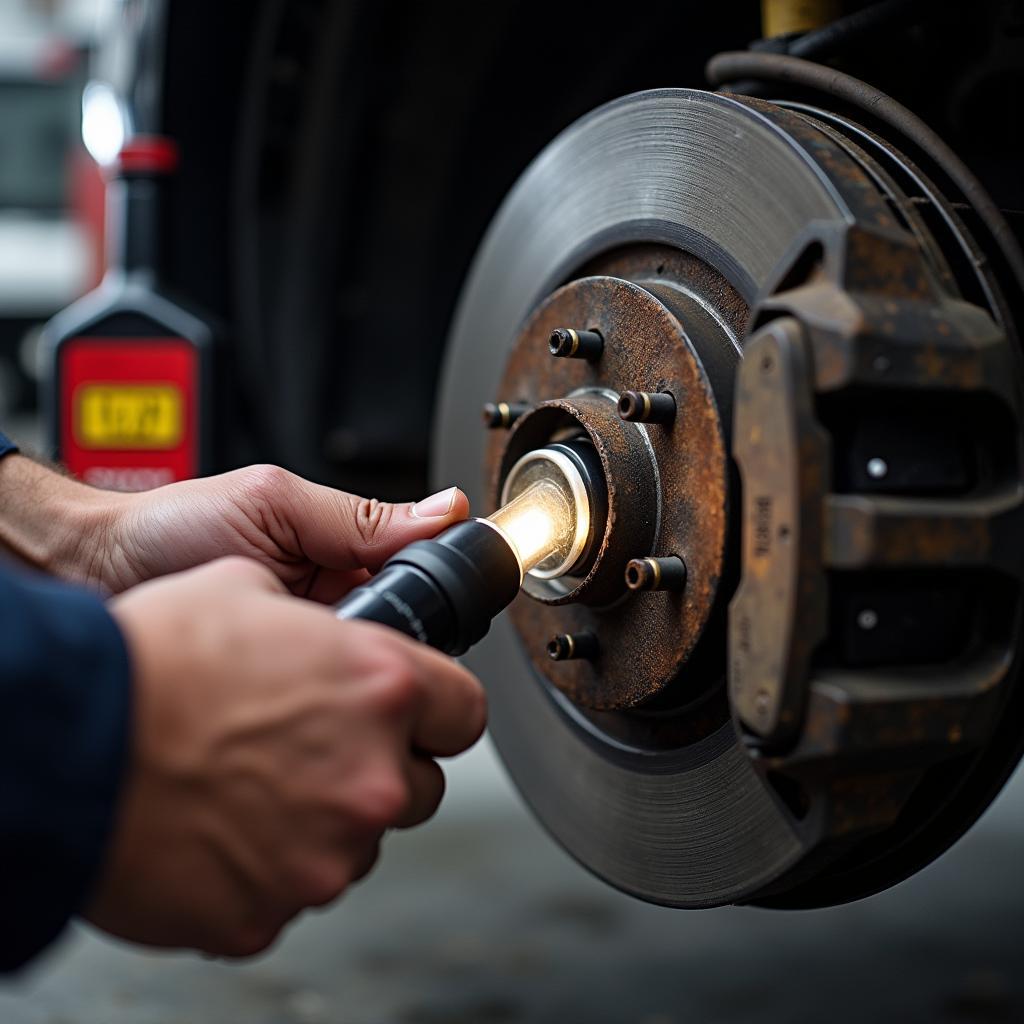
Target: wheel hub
653	473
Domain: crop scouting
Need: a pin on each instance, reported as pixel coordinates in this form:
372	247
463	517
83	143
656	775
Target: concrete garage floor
479	918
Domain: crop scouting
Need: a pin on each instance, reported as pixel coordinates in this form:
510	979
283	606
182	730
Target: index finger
452	710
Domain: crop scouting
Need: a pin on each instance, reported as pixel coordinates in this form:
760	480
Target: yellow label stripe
129	416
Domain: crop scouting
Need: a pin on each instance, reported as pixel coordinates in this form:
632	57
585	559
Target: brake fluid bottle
127	392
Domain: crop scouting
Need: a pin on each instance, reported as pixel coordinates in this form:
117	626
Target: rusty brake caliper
877	431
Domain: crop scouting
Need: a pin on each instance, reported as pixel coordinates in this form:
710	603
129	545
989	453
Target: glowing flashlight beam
537	521
531	531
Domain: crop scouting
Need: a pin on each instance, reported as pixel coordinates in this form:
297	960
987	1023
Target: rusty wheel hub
788	671
665	485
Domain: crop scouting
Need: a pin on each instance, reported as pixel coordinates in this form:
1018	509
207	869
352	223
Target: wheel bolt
568	343
647	407
503	414
656	573
569	646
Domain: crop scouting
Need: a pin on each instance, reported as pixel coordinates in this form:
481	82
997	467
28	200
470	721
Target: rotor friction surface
693	826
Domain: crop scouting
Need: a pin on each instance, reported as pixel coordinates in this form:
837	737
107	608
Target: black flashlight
445	592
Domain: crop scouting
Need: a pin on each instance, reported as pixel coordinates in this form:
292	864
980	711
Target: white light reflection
103	123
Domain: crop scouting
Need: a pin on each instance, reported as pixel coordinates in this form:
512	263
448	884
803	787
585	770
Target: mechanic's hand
318	541
273	746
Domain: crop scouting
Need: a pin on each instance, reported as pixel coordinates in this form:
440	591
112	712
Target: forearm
50	521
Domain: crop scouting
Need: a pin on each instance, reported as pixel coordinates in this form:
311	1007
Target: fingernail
437	505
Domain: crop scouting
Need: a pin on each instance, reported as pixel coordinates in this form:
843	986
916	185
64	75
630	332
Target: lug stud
569	646
568	343
647	407
656	573
501	415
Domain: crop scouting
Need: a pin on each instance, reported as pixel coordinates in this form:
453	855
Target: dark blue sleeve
64	736
7	446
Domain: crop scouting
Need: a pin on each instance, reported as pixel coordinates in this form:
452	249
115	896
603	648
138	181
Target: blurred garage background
50	190
478	917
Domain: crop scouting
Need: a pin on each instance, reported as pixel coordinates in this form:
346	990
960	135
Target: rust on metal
667	487
874	323
631	482
866	803
868	318
882	714
570	343
865	202
870	522
886	532
644	407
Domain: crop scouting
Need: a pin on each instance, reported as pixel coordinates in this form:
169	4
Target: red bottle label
129	411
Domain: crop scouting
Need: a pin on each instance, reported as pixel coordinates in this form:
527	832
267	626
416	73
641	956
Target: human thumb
363	533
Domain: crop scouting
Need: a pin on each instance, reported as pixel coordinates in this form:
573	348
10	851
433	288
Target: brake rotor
668	221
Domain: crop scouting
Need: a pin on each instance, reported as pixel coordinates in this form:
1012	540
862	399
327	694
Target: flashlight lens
539	521
545	513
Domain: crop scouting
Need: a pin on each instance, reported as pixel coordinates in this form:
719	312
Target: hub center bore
613	369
